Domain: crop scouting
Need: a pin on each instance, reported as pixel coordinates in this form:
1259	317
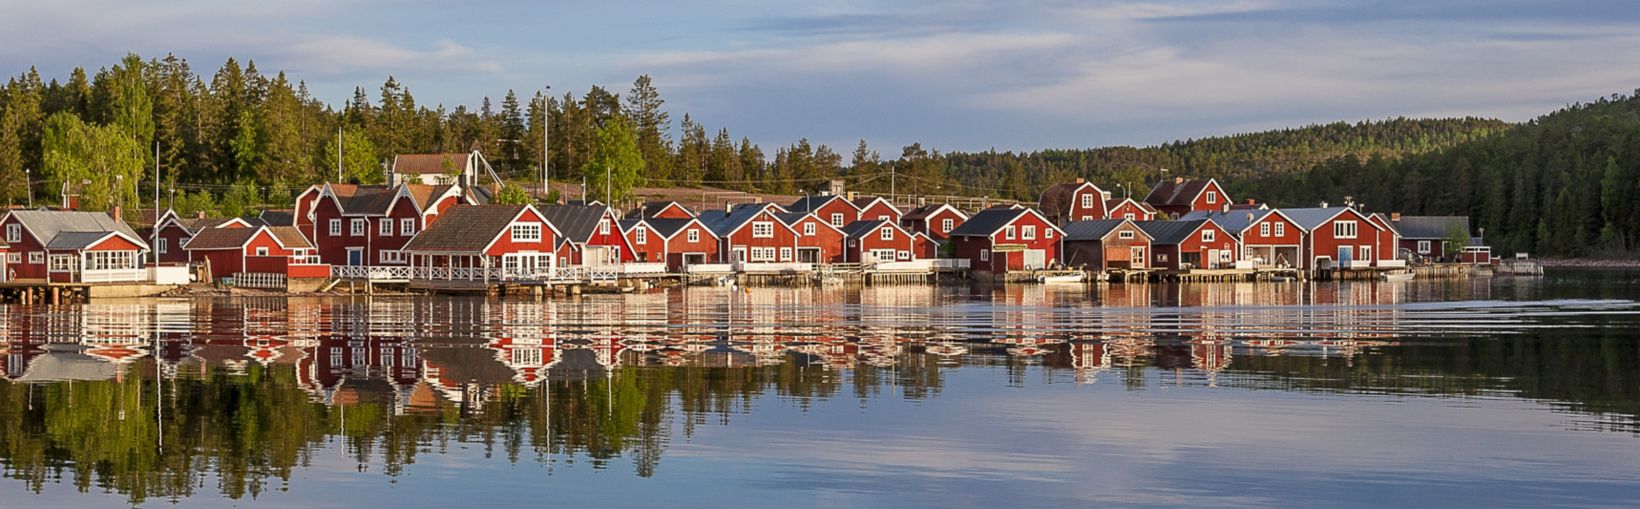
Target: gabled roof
1235	221
669	227
422	195
1311	218
278	217
1171	232
1059	198
1179	192
80	226
1095	230
813	203
925	211
466	229
740	216
987	222
865	202
577	222
290	237
1430	227
1384	220
863	228
1112	203
429	164
221	238
652	208
357	199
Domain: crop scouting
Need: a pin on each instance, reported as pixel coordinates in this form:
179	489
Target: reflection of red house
230	252
1001	239
935	221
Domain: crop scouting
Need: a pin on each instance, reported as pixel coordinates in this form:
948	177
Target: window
1209	235
14	233
1124	234
526	232
64	263
762	254
1008	233
984	255
1264	229
385	227
1423	247
110	260
785	254
1047	233
884	217
359	225
640	235
1344	229
1281	229
837	219
694	235
603	227
335	227
808	229
1087	201
1212	197
14	258
947	224
164	245
1029	232
905	255
335	356
1161	258
37	258
407	226
886	233
261	251
763	230
387	356
391	256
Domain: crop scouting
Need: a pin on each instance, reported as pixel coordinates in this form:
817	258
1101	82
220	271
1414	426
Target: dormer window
1212	197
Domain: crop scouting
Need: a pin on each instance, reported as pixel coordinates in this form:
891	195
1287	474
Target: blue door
355	257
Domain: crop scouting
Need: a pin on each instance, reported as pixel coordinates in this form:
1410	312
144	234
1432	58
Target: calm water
1515	392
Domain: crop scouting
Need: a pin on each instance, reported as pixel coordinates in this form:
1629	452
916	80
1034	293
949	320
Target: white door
1211	260
1366	253
1137	256
1035	259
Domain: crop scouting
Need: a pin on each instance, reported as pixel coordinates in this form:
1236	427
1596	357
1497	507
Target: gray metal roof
1311	218
864	228
1431	227
988	221
1233	221
666	227
737	217
810	203
465	229
48	225
1170	232
577	222
1092	230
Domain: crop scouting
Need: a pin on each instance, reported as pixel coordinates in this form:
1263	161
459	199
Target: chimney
1251	202
199	215
1323	204
1395	216
1178	180
1080	180
118	217
1226	208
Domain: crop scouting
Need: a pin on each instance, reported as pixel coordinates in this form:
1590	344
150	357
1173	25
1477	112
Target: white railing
1392	263
950	263
371	272
113	275
259	280
773	268
643	268
908	266
710	268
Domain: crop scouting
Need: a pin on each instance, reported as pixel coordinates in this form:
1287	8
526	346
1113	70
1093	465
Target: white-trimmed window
1160	257
837	219
984	255
1281	229
785	254
1128	216
1212	197
164	245
14	233
603	226
385	227
886	233
1028	232
1124	234
393	256
640	235
526	232
1345	229
884	217
359	225
763	230
808	229
1087	201
1048	233
1264	229
36	258
1008	233
407	226
335	227
1209	235
947	224
694	235
14	258
261	251
1423	247
64	263
904	255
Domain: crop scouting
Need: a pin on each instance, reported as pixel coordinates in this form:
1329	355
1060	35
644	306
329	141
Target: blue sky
954	75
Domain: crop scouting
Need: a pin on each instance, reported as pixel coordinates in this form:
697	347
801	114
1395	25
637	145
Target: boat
1398	277
1063	278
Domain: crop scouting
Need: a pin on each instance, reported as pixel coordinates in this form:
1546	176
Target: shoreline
1591	263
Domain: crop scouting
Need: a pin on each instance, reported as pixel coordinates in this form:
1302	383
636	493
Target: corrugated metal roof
1234	221
577	222
278	217
1431	227
668	227
465	229
1311	218
863	228
47	225
988	221
1170	232
1091	230
221	238
737	217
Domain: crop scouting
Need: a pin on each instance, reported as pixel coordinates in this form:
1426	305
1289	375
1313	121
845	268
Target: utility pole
155	246
893	173
338	154
546	127
28	182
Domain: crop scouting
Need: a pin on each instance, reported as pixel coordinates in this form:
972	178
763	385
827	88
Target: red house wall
1128	207
1201	202
673	211
932	225
877	210
173	235
333	249
679	245
1324	244
827	239
304	205
784	236
653	250
969	247
505	244
901	241
28	244
1221	241
838	206
1292	235
1096	211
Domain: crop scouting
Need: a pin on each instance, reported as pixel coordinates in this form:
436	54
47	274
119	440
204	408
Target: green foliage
512	194
615	163
190	204
102	162
358	158
241	199
1457	237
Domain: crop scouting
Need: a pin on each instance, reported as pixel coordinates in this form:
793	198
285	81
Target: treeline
1561	185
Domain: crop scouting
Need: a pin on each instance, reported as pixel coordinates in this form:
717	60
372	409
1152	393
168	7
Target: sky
965	75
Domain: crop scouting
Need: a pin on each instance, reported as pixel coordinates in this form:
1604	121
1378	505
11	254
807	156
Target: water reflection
152	398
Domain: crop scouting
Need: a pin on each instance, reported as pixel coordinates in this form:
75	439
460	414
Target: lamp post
28	183
546	128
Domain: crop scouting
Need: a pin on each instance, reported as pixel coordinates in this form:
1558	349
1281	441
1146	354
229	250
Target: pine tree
653	127
512	134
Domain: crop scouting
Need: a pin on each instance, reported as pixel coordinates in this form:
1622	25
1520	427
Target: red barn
1426	236
1003	238
1106	244
368	225
935	221
753	233
66	246
591	233
873	208
879	241
833	209
268	250
508	241
1078	201
817	240
1128	208
1180	196
1191	244
1340	237
927	248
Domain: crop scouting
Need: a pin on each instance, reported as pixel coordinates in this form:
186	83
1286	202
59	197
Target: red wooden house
879	241
1191	244
676	241
1269	237
936	221
1180	196
71	246
661	210
1426	236
230	252
1002	239
368	225
926	247
834	210
591	235
817	240
499	241
873	208
1131	209
1078	201
753	233
1106	244
1341	237
175	232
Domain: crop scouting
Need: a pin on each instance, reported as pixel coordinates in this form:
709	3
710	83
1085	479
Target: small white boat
1398	277
1063	278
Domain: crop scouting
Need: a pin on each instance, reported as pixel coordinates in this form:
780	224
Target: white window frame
1423	247
262	251
808	229
1028	232
1124	234
14	258
640	235
64	263
1087	201
1048	233
1209	235
1129	216
947	224
407	226
522	232
336	227
384	227
358	227
837	219
1281	230
984	255
763	229
603	226
14	233
1346	229
37	258
904	255
1008	233
1161	257
1212	197
886	233
785	254
164	245
694	235
394	256
1264	229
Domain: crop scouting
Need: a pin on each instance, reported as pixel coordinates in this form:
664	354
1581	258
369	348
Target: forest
240	139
